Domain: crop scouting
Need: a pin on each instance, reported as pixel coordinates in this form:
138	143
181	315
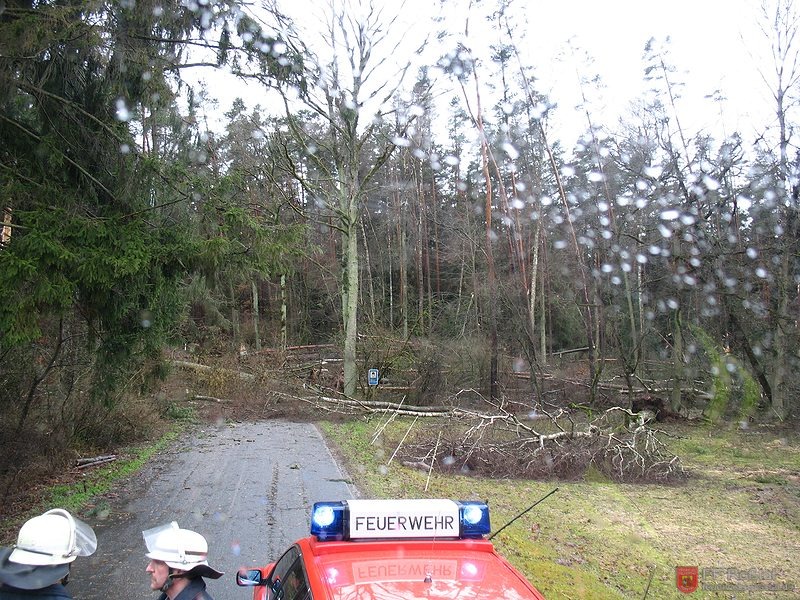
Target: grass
78	495
738	511
81	494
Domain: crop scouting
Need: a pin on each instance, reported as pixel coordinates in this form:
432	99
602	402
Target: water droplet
653	171
123	113
511	151
596	177
711	183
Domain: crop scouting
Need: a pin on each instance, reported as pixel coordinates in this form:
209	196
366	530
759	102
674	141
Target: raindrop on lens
123	114
512	152
596	177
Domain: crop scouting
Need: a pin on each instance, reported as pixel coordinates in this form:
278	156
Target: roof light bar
393	519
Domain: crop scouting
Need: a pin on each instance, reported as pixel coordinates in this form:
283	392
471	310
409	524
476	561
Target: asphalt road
248	488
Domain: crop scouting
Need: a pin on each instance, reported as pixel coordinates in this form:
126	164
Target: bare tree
349	85
780	25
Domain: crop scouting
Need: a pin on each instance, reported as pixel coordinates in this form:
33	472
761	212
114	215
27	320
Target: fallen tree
544	442
205	369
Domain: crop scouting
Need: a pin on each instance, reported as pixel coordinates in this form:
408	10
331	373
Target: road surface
247	487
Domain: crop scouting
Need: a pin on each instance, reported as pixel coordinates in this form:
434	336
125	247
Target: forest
417	216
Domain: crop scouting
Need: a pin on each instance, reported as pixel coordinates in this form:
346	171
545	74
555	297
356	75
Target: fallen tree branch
211	399
85	463
540	443
376	406
198	368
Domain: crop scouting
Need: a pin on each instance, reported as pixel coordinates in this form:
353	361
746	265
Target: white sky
705	43
706	47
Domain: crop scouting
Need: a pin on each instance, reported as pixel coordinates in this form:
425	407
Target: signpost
373	376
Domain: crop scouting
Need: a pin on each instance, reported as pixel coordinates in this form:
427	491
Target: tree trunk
545	317
402	259
256	316
436	255
782	318
367	265
420	271
492	287
391	276
534	283
676	401
284	312
350	306
234	316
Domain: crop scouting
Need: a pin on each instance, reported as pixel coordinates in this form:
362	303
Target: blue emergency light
327	520
474	519
393	519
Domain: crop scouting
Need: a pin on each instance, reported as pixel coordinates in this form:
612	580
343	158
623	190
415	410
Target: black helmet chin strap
170	577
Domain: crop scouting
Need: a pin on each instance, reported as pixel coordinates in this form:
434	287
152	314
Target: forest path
247	487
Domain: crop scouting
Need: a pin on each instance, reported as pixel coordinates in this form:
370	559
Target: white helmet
54	538
180	549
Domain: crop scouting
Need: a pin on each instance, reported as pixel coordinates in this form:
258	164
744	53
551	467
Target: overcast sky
705	44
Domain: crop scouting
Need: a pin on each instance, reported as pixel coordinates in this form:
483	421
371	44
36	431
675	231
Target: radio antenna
540	500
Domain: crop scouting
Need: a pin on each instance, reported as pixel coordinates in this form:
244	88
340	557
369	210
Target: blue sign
372	376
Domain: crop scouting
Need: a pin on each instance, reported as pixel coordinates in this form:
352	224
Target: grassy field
737	517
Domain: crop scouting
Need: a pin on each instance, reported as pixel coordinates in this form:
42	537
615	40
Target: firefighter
38	565
178	563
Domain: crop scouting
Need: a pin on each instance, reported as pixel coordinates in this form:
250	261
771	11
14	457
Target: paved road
248	488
